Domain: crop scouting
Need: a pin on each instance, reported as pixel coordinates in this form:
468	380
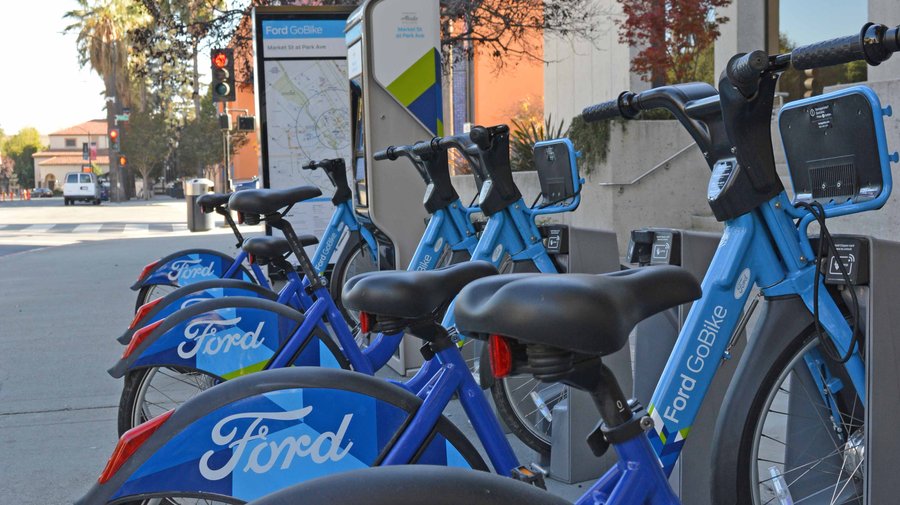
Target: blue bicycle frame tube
636	478
760	248
344	217
454	376
234	271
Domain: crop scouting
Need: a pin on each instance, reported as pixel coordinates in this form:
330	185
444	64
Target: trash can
197	220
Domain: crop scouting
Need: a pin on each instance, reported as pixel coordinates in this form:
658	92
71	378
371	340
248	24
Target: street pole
226	141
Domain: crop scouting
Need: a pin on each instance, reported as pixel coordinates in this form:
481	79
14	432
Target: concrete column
886	12
745	31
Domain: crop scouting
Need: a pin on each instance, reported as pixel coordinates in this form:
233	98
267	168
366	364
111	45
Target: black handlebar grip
606	110
384	155
481	137
312	165
743	71
829	52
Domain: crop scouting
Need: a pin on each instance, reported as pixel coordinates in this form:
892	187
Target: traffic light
223	75
123	161
114	139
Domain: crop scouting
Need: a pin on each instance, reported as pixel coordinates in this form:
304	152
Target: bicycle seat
267	201
590	314
209	201
411	294
273	247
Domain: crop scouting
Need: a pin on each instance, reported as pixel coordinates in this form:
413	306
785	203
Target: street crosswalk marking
88	228
105	228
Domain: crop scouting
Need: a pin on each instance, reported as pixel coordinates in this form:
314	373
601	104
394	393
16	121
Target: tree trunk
196	93
658	39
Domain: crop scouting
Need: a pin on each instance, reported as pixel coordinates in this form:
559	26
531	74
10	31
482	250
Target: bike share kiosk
394	65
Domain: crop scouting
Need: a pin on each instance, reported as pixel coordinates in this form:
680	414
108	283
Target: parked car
41	193
81	186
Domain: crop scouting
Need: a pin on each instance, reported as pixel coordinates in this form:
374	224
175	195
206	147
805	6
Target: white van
81	186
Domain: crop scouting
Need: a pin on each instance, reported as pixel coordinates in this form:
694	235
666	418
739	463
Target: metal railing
662	164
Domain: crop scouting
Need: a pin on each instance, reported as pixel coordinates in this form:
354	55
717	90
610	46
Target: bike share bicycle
765	243
185	268
172	357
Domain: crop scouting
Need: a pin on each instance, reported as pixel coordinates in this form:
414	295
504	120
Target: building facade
66	150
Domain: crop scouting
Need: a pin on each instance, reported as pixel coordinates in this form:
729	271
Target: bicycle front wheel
801	443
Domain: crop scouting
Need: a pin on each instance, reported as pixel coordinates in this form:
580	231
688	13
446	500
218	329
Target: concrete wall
581	73
887	12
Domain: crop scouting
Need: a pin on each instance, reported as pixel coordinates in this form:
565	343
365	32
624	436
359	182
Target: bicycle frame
343	218
763	248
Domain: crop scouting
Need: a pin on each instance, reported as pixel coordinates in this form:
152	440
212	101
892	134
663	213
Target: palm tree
103	28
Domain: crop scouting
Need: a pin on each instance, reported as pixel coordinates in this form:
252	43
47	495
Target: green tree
200	144
145	145
103	43
20	148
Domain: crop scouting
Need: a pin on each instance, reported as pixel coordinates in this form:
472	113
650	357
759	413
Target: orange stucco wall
499	94
246	159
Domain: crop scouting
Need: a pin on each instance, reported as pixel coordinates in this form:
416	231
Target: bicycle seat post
278	221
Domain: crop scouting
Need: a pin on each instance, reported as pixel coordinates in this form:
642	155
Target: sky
41	84
808	21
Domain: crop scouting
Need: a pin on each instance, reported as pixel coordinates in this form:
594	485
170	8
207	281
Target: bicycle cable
818	211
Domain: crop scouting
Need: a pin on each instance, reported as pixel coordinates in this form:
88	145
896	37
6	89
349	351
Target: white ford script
263	455
202	336
189	269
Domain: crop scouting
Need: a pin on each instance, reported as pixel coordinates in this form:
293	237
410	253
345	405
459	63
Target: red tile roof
92	127
73	160
50	153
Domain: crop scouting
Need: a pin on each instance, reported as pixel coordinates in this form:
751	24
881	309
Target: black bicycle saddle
267	201
209	201
273	247
585	313
411	294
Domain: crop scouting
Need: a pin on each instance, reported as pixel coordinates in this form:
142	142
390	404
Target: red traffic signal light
114	134
223	89
219	60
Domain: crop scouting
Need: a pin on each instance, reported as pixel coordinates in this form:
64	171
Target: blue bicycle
173	344
185	268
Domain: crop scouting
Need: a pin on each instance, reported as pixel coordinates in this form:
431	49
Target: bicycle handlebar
607	110
874	44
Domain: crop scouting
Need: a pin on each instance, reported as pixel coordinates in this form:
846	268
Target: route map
307	118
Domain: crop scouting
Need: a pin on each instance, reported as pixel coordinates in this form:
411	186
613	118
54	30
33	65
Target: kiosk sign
303	100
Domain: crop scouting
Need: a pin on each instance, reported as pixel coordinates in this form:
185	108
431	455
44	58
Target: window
85	178
833	18
70	142
72	178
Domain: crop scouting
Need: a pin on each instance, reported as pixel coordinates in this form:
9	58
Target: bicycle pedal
526	475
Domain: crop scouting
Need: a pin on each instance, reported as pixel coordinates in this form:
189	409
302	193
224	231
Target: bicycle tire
511	418
411	485
151	292
355	248
136	382
736	473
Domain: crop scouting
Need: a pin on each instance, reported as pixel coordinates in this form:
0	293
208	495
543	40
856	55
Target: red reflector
139	337
240	218
129	443
365	322
146	271
143	311
501	356
251	258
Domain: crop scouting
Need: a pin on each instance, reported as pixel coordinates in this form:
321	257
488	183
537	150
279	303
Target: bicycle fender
256	434
225	338
191	294
780	321
189	266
